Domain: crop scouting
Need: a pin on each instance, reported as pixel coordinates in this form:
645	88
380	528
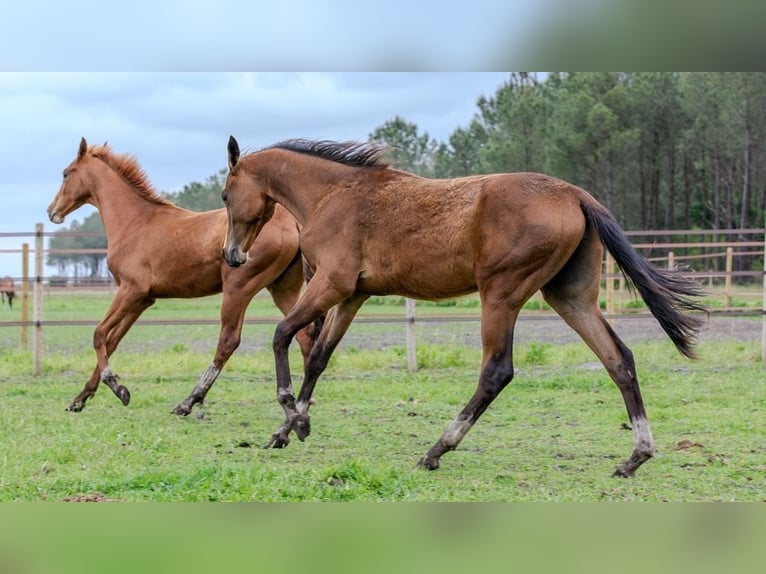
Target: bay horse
369	229
158	250
7	290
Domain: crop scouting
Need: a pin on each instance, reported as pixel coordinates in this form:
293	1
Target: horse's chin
57	219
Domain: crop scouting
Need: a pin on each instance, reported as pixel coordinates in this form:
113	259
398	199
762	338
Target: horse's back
437	238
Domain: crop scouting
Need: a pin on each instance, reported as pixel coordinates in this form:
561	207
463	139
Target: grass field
556	433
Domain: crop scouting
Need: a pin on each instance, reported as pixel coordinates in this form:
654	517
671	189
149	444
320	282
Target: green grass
553	435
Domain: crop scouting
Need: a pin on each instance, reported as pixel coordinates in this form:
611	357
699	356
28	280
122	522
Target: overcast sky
177	124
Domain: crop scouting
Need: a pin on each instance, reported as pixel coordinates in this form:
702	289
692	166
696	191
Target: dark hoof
277	441
302	427
123	394
622	473
428	463
76	406
181	410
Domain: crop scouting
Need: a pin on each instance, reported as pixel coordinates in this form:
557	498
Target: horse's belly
196	281
432	280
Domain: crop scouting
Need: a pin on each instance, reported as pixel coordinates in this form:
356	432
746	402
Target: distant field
554	434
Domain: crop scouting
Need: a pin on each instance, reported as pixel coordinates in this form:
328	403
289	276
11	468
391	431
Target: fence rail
713	266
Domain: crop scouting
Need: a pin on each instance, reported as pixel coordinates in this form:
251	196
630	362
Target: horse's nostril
230	257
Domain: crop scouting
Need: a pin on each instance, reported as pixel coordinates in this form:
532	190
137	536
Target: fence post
671	260
37	347
24	295
727	284
409	307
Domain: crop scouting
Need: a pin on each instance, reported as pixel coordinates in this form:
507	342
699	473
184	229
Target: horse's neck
298	194
122	209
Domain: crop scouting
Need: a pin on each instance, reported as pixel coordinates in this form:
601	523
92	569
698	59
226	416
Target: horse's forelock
100	151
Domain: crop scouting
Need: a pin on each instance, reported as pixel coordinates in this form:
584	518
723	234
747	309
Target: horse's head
75	190
247	205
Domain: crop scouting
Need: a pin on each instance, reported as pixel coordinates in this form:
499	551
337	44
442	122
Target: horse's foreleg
87	392
285	291
112	341
318	298
283	335
122	313
336	324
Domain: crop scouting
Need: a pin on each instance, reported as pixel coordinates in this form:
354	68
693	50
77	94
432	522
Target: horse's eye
224	196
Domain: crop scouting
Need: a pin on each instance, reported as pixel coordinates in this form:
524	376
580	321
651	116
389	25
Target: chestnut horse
7	290
158	250
368	229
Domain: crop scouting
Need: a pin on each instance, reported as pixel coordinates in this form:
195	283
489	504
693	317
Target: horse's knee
99	338
282	338
496	376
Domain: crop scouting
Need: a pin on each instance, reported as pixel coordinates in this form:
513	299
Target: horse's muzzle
234	257
54	216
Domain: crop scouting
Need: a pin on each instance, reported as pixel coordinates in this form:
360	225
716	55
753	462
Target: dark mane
353	153
128	168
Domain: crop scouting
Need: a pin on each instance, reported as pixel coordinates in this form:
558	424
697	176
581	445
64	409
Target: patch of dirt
686	444
90	497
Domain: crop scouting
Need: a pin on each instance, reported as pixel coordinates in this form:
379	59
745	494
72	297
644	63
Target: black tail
666	292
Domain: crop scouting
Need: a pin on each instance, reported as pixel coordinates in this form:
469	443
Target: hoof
277	441
76	406
123	394
428	463
181	410
623	473
629	467
302	427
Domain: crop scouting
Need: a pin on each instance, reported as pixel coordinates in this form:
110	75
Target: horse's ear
83	149
233	152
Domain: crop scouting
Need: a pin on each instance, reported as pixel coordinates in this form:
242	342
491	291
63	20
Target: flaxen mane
355	154
126	165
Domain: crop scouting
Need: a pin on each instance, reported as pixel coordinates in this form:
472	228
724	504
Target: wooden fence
721	259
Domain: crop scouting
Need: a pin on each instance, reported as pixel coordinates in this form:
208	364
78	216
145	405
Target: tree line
662	150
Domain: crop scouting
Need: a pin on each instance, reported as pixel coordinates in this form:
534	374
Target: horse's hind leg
233	306
498	319
574	295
